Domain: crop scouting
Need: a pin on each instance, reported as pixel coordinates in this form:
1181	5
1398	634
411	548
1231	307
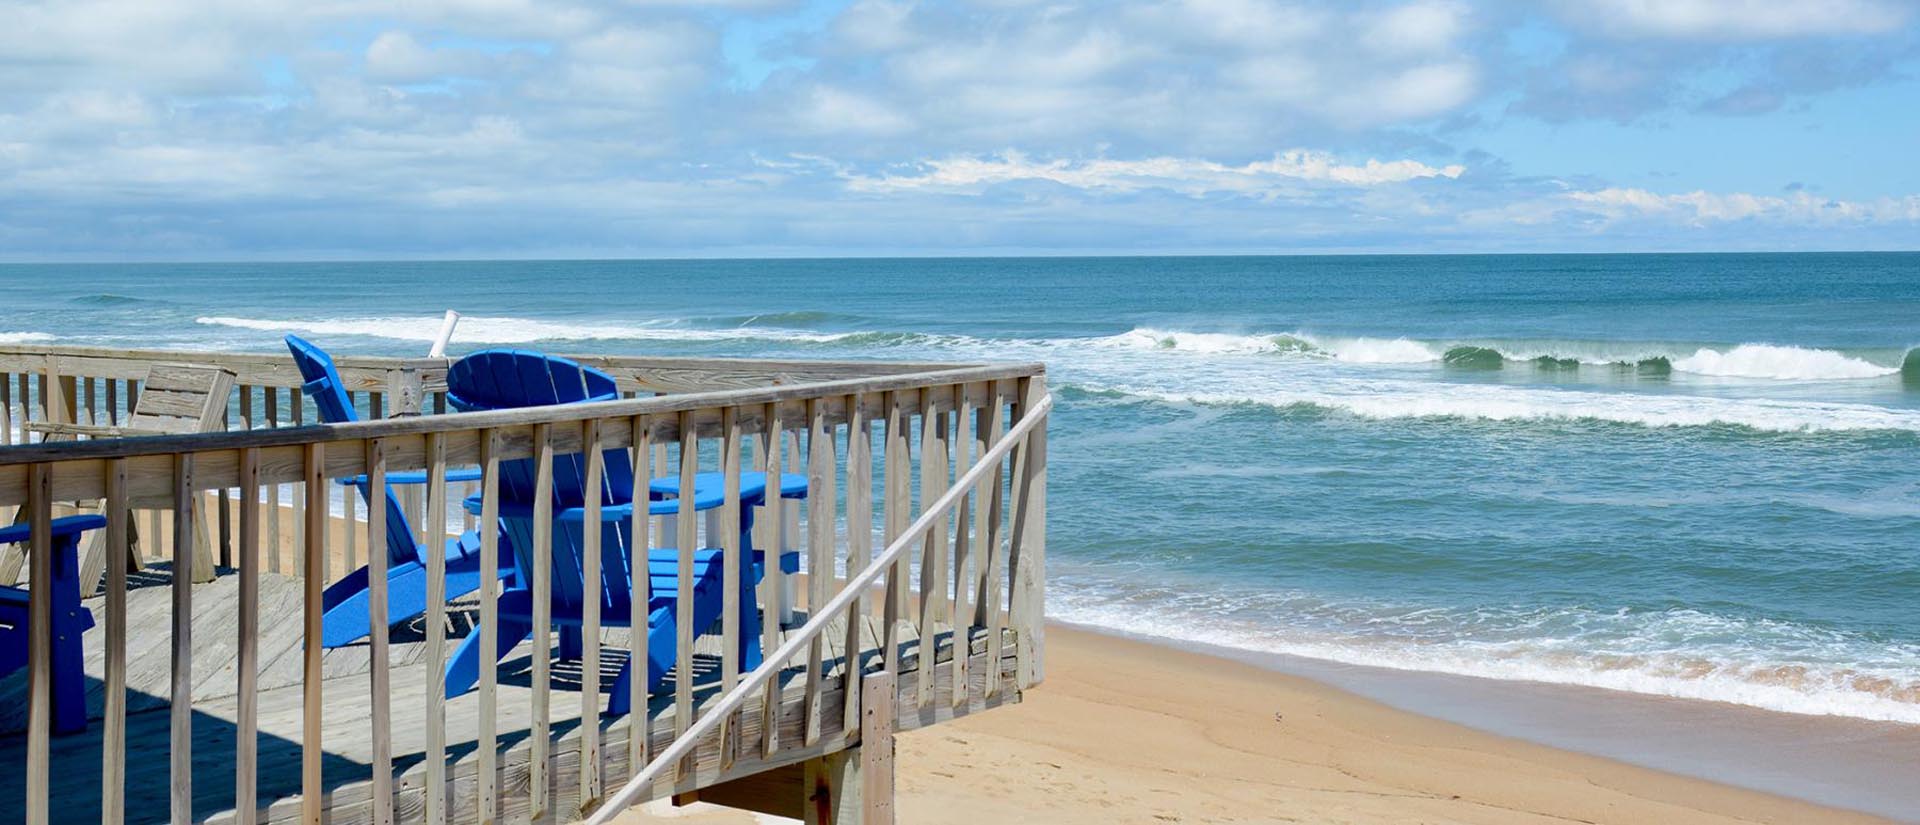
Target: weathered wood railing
960	468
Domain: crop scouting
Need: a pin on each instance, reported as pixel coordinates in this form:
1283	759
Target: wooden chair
174	398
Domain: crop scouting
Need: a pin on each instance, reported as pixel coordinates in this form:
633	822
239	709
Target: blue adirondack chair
499	379
69	620
345	619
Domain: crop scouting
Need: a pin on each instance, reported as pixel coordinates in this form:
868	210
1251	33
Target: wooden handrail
717	714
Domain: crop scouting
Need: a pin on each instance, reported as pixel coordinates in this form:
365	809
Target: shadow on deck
802	731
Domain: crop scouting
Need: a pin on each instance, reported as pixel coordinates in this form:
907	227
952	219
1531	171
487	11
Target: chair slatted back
182	398
329	397
507	378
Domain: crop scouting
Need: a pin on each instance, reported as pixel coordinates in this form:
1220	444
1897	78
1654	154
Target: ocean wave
1503	403
24	337
1747	360
506	330
1685	654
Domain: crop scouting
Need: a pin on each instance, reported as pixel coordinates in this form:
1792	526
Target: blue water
1695	476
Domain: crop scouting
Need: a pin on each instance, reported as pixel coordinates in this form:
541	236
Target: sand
1124	731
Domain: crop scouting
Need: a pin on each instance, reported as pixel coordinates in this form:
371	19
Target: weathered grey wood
537	779
876	748
644	464
933	558
39	644
988	612
859	546
774	583
899	497
436	655
821	497
313	805
246	755
181	747
379	694
962	616
590	768
487	789
272	398
1026	564
683	608
113	728
731	563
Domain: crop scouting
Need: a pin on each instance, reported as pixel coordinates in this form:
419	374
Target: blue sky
158	129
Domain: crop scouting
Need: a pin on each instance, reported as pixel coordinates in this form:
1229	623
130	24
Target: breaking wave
1750	360
1408	400
24	337
498	330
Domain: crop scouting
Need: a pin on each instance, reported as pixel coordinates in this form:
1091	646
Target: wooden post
877	697
832	785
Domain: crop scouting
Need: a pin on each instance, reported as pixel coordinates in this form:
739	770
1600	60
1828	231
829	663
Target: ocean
1687	476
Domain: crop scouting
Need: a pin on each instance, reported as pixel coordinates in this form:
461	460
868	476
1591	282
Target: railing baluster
1026	561
899	493
933	559
542	567
301	545
590	595
312	799
488	786
247	661
962	545
181	695
989	599
39	641
379	699
436	698
773	600
732	569
113	722
820	551
859	549
6	409
639	725
272	395
683	583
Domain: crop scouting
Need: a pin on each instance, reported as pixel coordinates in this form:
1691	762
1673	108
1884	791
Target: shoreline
1127	730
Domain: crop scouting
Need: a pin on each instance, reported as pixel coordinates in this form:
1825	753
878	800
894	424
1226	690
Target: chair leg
464	670
69	621
749	627
573	643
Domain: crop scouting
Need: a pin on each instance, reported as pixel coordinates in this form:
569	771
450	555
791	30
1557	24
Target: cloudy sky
220	129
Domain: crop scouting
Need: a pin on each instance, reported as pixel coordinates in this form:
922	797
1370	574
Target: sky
290	129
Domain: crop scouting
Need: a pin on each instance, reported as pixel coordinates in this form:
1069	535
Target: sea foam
1682	654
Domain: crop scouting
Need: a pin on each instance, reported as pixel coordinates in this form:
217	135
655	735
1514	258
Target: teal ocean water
1691	476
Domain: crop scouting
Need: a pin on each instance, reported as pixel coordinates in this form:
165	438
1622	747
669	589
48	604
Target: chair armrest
608	512
63	526
415	477
89	430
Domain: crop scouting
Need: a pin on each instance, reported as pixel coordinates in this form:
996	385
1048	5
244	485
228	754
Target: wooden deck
76	759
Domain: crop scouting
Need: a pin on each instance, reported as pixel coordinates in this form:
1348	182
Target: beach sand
1125	731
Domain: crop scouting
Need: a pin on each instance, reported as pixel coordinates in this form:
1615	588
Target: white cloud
1188	176
1700	208
1744	19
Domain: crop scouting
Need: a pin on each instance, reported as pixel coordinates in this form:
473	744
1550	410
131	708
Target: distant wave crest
24	337
1749	360
505	330
1500	403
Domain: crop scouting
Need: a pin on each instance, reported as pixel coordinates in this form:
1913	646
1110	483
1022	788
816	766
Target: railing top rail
564	413
855	587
